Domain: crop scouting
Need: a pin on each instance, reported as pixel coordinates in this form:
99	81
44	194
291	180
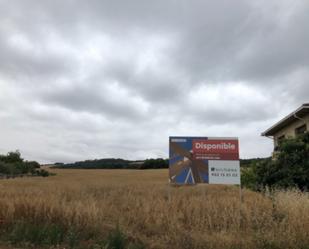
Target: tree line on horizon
118	163
115	163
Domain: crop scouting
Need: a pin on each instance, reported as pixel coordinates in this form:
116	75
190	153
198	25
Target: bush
11	157
43	173
12	164
289	169
116	240
249	177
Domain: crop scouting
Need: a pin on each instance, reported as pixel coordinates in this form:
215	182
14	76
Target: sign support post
169	191
240	205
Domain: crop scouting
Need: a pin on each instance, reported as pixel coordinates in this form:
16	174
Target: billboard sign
212	160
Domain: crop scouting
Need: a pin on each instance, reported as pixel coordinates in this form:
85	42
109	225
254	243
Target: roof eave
292	116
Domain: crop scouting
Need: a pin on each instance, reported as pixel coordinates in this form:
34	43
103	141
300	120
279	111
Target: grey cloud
214	40
95	98
17	63
96	73
154	87
279	51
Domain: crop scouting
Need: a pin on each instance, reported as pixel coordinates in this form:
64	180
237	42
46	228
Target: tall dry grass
146	209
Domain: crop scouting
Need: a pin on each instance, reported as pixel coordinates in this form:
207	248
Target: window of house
301	129
280	139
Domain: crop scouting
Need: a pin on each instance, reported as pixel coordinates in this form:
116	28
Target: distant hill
115	163
118	163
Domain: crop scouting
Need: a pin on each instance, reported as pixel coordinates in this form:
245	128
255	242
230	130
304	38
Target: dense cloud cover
93	79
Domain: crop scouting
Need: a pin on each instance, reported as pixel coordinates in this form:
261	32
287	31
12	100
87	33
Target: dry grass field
86	205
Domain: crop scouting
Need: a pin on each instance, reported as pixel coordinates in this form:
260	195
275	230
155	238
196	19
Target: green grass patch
28	235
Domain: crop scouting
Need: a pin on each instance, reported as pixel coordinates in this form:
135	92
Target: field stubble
94	202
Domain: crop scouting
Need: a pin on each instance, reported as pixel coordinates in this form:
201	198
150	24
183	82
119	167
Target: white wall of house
289	130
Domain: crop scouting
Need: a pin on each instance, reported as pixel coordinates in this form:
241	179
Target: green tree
290	168
12	164
12	157
158	163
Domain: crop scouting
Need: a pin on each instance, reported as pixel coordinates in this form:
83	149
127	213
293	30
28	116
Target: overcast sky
93	79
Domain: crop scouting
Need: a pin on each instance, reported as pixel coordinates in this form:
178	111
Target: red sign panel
215	149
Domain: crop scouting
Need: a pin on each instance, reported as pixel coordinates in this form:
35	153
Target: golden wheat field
142	205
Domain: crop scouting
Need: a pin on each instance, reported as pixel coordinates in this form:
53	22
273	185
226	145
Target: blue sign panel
184	168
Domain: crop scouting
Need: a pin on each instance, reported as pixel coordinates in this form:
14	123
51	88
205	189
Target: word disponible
208	146
215	146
